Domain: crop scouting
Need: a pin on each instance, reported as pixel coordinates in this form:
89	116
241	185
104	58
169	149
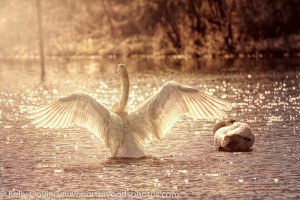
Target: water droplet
58	170
182	171
55	91
212	174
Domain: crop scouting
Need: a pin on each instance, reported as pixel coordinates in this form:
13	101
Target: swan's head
119	109
223	123
230	121
121	69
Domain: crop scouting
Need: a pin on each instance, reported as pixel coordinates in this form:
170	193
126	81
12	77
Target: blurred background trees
151	27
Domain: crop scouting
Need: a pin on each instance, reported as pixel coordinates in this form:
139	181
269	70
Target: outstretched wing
161	111
79	109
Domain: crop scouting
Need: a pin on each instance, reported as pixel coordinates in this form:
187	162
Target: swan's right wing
79	109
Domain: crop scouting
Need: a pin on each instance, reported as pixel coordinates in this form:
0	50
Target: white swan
233	136
124	133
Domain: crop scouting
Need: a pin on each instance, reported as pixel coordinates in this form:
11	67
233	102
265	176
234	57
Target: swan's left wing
79	109
156	116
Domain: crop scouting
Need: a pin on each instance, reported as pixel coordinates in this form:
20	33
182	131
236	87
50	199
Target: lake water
42	162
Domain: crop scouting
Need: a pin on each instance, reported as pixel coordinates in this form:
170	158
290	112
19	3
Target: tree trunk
41	39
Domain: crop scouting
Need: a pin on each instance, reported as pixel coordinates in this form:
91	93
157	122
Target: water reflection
186	161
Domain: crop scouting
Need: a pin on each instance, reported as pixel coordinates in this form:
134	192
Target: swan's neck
125	94
218	125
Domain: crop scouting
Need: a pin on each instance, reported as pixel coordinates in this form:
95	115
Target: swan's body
233	136
124	133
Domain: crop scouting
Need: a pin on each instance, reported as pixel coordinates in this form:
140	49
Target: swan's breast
123	141
116	133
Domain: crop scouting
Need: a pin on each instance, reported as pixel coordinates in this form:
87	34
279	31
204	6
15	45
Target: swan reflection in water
123	132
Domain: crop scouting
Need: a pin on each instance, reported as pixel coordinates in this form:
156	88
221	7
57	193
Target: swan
125	133
230	135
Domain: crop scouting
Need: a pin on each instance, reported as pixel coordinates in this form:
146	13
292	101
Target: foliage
129	27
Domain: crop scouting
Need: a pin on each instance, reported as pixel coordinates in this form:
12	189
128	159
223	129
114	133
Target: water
37	161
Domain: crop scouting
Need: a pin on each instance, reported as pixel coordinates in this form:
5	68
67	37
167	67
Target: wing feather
63	118
79	109
47	120
209	107
57	118
161	111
